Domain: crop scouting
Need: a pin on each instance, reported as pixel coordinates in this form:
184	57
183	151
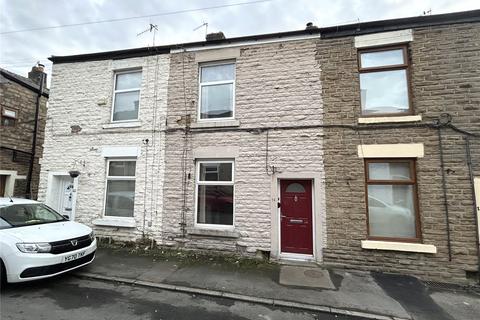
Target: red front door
296	216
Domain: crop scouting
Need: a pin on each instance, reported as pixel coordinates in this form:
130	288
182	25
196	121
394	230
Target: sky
176	21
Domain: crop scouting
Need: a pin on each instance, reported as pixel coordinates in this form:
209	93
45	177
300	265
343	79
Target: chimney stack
215	36
311	26
36	74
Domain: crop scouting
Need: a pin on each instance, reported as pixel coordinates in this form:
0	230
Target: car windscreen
18	215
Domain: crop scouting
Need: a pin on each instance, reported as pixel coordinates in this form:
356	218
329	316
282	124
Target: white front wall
81	95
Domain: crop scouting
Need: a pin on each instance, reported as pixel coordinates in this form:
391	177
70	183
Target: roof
26	82
9	201
323	33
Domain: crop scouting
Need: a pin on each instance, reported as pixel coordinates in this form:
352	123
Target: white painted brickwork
276	85
81	94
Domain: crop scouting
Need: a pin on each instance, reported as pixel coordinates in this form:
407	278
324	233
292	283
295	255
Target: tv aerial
205	24
153	28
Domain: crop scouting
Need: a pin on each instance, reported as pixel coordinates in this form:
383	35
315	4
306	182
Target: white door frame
49	197
291	255
318	216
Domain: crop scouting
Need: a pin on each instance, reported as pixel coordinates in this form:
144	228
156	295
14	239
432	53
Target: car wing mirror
66	216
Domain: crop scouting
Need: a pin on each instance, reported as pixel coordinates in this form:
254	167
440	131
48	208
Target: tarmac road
71	298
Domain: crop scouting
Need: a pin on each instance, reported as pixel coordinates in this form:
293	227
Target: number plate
74	256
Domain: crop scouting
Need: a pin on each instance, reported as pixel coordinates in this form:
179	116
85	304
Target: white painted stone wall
276	85
81	94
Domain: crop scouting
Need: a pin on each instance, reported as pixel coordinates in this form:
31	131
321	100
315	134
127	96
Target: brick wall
81	95
276	85
21	99
445	78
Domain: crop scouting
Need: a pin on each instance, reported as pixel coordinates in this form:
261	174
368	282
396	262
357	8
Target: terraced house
103	153
355	145
23	104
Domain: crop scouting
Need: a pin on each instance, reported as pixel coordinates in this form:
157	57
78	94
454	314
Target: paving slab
356	291
305	277
123	264
458	305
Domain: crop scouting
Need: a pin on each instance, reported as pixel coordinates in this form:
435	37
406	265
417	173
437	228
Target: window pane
28	214
215	172
381	58
8	122
215	205
389	171
122	168
295	187
391	211
120	198
131	80
218	73
384	92
126	106
217	101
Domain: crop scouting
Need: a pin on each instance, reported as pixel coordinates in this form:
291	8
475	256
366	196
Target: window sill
368	120
129	124
115	222
215	124
398	246
213	233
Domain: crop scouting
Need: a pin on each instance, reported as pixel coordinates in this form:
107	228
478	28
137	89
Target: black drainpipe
28	191
444	189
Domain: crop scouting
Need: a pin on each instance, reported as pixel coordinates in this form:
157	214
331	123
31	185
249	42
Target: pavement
313	289
68	297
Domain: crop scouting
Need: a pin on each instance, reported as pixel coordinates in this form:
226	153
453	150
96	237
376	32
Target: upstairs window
8	117
126	97
392	200
217	91
384	81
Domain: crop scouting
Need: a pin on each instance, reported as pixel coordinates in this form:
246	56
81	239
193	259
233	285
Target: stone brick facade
19	94
297	109
79	130
277	85
445	64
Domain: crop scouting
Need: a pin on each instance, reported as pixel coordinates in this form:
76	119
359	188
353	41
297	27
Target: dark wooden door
296	216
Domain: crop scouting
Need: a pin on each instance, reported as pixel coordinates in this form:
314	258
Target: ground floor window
215	192
392	203
120	188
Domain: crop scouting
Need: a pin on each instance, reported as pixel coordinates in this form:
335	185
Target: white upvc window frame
115	91
212	83
117	178
214	183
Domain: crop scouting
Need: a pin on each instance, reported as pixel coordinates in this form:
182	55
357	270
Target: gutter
472	16
27	85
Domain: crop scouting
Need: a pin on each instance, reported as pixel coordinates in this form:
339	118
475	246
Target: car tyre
3	275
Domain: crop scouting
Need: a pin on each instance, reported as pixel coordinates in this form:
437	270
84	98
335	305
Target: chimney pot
311	26
36	74
215	36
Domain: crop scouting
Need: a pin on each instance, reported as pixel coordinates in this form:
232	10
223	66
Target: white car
36	242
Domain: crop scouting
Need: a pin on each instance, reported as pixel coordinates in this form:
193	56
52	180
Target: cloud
19	51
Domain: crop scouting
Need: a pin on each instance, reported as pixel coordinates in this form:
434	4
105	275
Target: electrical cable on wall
154	170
